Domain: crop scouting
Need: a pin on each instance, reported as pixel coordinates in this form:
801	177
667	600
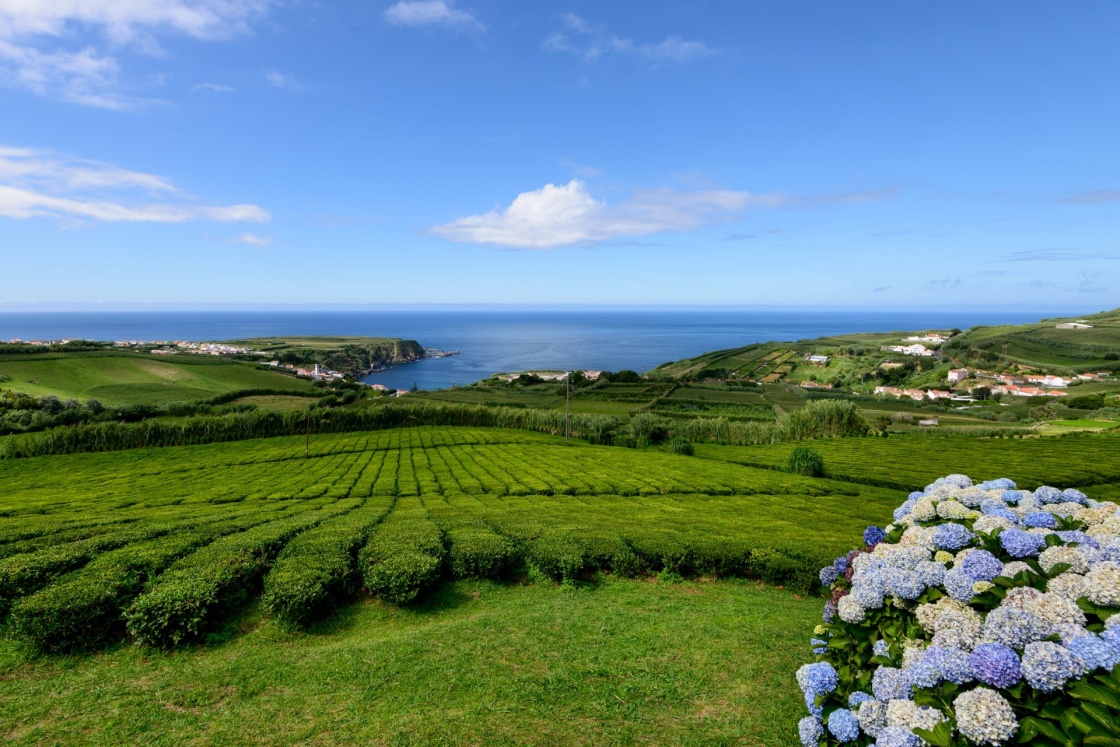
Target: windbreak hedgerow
984	615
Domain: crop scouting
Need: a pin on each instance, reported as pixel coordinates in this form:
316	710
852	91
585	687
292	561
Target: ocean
490	342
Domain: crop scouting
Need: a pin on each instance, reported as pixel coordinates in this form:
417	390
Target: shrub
983	615
480	552
805	461
404	556
559	555
681	445
319	567
190	597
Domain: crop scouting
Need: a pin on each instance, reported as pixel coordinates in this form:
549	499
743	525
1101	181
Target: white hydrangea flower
872	716
929	615
1056	610
1012	569
988	524
1103	532
958	629
1020	597
917	536
923	510
1069	585
850	610
926	718
1052	556
1102	585
912	652
952	510
985	716
901	713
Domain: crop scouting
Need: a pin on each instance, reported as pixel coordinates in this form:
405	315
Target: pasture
120	378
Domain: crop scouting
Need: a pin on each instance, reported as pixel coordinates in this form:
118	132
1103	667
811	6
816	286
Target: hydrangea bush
984	615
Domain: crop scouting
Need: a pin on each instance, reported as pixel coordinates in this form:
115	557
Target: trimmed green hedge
190	598
318	568
405	555
480	552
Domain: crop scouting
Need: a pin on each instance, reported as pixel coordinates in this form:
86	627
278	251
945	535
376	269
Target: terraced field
162	545
909	462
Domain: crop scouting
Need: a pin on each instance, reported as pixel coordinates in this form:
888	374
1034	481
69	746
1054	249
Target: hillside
351	355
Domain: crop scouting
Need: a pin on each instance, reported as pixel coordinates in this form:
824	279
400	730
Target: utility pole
567	405
307	443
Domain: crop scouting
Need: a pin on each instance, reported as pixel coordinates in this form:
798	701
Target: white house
1074	325
958	374
817	358
917	349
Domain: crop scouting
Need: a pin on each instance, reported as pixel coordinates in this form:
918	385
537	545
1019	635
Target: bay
494	341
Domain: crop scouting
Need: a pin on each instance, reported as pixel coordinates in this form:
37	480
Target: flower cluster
977	605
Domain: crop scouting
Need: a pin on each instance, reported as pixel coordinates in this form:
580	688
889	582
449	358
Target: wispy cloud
943	284
1056	255
37	183
418	13
250	239
70	49
567	215
580	38
1092	198
1088	282
881	289
277	79
211	88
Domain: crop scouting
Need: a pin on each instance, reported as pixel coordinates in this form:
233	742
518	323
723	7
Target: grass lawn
131	378
1054	427
628	662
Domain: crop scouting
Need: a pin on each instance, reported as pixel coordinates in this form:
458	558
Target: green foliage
318	569
405	555
188	599
804	461
681	445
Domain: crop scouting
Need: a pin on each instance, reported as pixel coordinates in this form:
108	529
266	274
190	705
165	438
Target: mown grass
626	662
132	378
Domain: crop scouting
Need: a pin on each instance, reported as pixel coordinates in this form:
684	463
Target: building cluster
550	375
919	394
317	372
38	343
932	337
915	349
215	348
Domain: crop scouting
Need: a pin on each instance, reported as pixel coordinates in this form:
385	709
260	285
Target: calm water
494	341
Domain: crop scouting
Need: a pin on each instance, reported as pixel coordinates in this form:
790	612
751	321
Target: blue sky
863	154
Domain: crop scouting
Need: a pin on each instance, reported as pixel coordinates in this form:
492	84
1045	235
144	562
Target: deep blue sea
494	341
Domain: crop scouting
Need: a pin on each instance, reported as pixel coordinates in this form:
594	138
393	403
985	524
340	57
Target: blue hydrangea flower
818	678
959	585
1048	666
991	505
981	565
811	704
954	481
1047	494
903	583
1072	495
1074	536
828	575
1003	513
858	697
881	648
1095	652
1112	635
829	613
819	646
891	683
1001	483
1040	519
930	573
996	665
897	736
873	535
1014	627
810	731
1012	496
952	663
843	725
952	536
925	674
904	510
1020	544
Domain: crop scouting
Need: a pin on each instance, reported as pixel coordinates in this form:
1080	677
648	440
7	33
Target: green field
136	378
630	662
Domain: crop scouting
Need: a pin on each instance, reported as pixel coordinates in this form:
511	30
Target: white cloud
583	40
211	88
36	183
431	13
567	214
68	49
277	79
251	239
